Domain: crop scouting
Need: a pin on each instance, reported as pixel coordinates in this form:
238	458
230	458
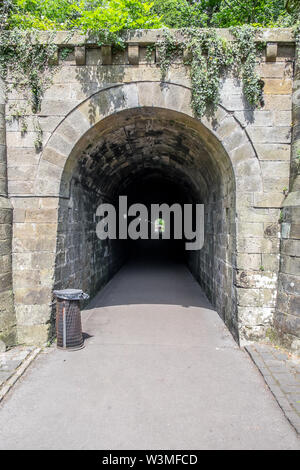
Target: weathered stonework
7	314
287	317
107	120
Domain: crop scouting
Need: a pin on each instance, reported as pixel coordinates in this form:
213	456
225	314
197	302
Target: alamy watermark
135	222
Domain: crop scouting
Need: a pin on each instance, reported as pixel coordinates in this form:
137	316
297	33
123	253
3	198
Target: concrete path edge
9	383
291	415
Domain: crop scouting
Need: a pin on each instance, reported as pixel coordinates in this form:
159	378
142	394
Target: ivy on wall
25	62
208	57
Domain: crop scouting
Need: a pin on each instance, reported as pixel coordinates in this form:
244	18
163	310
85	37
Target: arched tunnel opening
151	156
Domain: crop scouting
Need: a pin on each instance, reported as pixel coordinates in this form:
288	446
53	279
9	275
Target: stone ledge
143	37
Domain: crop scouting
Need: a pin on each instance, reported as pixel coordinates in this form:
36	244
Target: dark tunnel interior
152	156
151	189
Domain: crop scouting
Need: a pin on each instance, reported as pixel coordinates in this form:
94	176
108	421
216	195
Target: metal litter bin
68	318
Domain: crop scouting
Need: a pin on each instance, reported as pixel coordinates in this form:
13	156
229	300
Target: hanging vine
25	66
208	57
27	70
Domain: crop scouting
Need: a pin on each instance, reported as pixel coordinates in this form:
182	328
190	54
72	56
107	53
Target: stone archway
68	139
232	175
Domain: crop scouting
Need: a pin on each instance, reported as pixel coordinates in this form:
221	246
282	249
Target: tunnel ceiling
134	143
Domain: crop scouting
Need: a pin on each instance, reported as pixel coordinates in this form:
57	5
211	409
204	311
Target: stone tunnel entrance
151	155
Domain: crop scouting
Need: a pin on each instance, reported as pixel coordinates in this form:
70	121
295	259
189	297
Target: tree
116	15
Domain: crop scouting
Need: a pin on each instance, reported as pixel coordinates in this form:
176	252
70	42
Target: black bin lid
70	294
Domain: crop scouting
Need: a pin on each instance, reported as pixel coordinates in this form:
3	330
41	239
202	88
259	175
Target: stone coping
144	37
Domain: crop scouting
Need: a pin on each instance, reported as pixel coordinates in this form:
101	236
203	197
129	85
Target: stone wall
7	314
241	171
82	260
287	318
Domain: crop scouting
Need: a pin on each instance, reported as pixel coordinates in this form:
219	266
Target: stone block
42	260
283	118
255	117
290	247
271	51
59	143
263	297
33	244
248	261
290	265
255	279
133	54
25	279
106	55
57	107
277	86
5	281
271	230
234	140
5	263
28	315
281	169
33	334
61	91
33	296
22	261
276	70
20	187
5	231
259	214
19	215
22	156
278	102
249	230
289	283
273	151
294	305
18	139
252	316
270	262
22	173
288	324
270	135
80	55
50	187
5	247
248	297
53	156
49	171
258	245
41	215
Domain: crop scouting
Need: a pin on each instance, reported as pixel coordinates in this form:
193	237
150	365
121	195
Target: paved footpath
159	371
281	372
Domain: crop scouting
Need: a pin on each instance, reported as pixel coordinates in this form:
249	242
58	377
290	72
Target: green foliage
208	57
107	18
168	51
223	13
113	16
255	12
245	55
181	13
24	63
